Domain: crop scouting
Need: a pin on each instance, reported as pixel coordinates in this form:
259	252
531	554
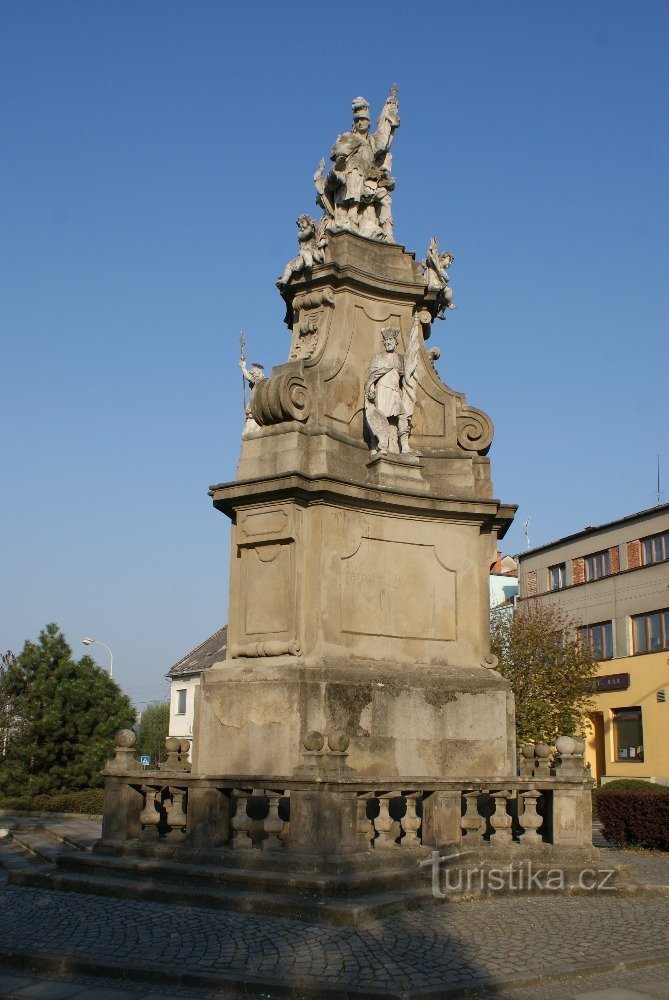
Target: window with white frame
182	694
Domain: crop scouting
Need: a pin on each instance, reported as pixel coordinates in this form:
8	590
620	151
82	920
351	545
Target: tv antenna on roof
526	528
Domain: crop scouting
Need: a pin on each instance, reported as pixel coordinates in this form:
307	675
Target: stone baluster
241	822
184	751
473	824
172	745
529	819
364	825
527	760
150	814
410	822
542	763
176	815
272	824
500	820
384	824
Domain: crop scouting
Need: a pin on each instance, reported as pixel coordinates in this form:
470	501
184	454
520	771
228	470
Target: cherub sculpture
435	268
312	240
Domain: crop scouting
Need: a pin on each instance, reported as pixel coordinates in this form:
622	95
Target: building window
651	632
655	548
598	565
557	577
181	701
600	639
628	733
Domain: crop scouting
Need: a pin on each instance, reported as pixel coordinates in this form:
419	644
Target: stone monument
358	721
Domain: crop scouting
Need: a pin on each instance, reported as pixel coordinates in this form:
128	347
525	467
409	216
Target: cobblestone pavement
446	947
442	947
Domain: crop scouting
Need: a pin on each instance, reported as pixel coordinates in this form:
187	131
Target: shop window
598	565
655	549
600	639
628	734
557	577
651	632
181	701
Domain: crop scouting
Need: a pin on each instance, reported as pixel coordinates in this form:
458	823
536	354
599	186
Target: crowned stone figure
390	394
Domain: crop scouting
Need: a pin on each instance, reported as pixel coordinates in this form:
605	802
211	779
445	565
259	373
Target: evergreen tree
551	670
152	731
64	714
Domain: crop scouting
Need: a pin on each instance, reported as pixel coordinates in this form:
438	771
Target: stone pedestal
358	581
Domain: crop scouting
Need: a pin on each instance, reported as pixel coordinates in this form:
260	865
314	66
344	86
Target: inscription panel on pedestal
398	589
266	582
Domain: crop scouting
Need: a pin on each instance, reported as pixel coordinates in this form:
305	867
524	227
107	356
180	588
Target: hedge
634	817
88	802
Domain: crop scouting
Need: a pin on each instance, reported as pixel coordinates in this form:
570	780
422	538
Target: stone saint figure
253	376
356	192
390	394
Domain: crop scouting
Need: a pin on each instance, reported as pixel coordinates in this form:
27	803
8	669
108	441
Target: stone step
352	910
14	857
250	877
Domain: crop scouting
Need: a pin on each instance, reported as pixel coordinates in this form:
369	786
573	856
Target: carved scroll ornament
475	430
281	397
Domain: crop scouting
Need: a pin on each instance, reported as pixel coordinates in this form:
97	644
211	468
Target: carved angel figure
435	268
355	194
312	240
390	393
253	376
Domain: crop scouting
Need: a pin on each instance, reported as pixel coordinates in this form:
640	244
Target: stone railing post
529	818
572	816
441	819
364	826
500	820
176	815
208	817
384	824
473	823
410	822
241	822
273	824
151	813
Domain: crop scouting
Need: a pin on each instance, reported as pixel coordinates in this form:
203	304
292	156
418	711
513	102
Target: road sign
145	760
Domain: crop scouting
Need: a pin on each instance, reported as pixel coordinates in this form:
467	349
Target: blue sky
156	156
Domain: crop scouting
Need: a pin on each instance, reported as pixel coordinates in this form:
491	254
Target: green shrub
635	817
630	785
88	802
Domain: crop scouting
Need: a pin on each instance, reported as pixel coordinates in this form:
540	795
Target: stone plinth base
431	721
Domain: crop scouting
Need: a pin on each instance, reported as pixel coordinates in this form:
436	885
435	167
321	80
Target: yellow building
614	580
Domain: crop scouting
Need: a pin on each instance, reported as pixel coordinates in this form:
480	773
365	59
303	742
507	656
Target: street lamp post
89	642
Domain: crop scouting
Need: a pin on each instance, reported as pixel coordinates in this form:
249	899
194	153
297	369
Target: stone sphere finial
528	751
542	750
313	741
565	744
338	741
125	738
172	744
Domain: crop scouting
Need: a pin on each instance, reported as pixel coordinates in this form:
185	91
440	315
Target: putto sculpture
435	267
355	194
312	240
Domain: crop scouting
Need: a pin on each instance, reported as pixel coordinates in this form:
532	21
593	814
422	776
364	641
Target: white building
184	678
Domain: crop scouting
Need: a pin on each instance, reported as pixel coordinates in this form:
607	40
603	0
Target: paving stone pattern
444	947
447	945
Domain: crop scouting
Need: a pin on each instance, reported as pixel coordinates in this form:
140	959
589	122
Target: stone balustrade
329	808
